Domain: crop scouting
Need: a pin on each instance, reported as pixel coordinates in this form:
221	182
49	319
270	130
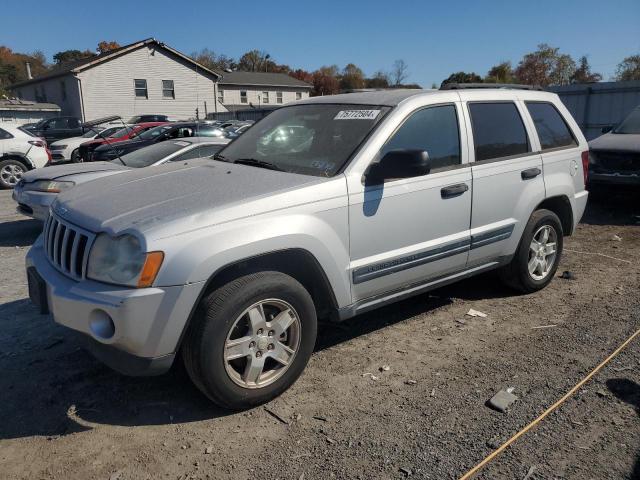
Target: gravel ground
65	416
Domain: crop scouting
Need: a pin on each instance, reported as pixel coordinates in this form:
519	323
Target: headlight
121	261
50	186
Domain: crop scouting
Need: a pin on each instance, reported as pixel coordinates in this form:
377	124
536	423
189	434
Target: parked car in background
168	131
375	197
148	118
20	151
57	128
37	190
69	149
614	158
235	131
128	132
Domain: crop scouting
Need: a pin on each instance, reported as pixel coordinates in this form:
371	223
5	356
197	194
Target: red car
125	133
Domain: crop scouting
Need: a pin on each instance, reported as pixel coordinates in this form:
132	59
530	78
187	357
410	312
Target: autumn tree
301	74
546	66
399	72
106	46
462	77
501	73
13	68
325	81
352	77
379	79
583	72
253	61
213	61
628	69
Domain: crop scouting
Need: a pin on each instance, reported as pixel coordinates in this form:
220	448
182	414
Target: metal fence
254	114
595	105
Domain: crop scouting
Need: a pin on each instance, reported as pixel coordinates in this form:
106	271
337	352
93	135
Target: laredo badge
356	115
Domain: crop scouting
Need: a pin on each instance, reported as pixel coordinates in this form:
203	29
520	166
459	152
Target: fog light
101	325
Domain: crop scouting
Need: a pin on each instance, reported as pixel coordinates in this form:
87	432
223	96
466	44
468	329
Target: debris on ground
461	321
402	351
319	417
530	473
567	275
502	400
369	374
603	393
208	450
276	416
384	368
406	471
544	326
476	313
410	382
616	238
433	392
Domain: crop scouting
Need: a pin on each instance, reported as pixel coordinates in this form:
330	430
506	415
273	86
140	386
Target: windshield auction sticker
357	115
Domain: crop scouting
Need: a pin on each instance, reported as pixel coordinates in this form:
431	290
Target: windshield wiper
220	157
258	163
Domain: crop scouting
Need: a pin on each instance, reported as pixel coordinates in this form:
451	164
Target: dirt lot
65	416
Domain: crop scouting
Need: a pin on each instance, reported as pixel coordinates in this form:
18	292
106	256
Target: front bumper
134	331
33	204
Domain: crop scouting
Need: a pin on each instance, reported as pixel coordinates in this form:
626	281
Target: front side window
307	139
265	97
434	129
278	97
198	152
167	89
553	131
140	86
243	96
498	130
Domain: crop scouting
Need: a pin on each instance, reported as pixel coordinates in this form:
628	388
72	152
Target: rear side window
553	131
4	135
498	130
434	129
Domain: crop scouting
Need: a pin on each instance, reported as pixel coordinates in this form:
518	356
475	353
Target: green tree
546	66
501	73
628	69
68	56
583	73
462	77
352	77
379	79
253	61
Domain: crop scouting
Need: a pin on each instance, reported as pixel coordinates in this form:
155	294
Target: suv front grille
67	247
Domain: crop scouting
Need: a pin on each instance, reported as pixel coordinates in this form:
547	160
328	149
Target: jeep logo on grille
62	211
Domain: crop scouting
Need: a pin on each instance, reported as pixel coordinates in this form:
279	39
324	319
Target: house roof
25	105
261	79
85	63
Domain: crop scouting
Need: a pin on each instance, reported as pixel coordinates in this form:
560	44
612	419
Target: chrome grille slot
67	247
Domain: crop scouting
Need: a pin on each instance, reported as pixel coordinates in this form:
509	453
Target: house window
63	90
243	96
298	95
265	97
278	97
220	96
140	88
167	89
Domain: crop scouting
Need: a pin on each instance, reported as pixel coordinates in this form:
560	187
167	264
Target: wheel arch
561	206
298	263
19	158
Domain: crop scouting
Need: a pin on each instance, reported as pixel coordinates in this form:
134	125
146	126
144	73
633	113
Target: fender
21	157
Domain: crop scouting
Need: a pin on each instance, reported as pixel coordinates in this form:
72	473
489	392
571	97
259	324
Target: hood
622	142
59	171
121	144
147	197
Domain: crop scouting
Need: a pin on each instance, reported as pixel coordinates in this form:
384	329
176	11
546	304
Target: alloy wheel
542	252
11	174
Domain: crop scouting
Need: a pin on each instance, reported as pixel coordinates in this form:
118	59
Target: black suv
52	129
170	131
147	118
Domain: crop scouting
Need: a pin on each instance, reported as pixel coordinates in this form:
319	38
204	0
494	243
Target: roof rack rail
470	86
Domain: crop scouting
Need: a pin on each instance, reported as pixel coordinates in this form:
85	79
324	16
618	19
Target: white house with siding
146	77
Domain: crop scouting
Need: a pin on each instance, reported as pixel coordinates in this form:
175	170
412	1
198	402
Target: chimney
28	65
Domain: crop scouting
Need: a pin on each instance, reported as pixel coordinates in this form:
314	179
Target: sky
433	38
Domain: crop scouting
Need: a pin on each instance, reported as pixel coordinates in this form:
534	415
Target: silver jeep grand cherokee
328	207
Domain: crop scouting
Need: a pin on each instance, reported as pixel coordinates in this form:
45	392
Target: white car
37	190
68	149
20	151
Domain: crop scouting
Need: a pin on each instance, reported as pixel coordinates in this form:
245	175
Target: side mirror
399	164
607	128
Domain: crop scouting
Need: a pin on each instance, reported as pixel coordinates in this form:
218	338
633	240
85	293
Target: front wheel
11	172
251	339
538	255
75	156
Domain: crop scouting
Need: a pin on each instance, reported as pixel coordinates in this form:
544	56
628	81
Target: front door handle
454	190
530	173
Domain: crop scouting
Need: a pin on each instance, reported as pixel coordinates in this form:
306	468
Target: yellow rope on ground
573	390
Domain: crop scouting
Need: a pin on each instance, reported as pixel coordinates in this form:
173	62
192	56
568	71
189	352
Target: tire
11	171
222	318
75	156
517	273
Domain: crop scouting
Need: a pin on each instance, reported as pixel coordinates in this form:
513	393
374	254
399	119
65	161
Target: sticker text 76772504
356	115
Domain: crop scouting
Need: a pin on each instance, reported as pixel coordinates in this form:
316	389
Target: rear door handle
454	190
530	173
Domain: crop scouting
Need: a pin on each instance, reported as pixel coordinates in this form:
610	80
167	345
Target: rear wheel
538	255
251	339
11	172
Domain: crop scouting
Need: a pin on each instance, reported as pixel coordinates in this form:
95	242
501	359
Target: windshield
92	133
151	154
631	124
309	139
155	132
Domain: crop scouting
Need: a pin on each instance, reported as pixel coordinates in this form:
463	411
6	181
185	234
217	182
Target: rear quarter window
498	130
552	129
